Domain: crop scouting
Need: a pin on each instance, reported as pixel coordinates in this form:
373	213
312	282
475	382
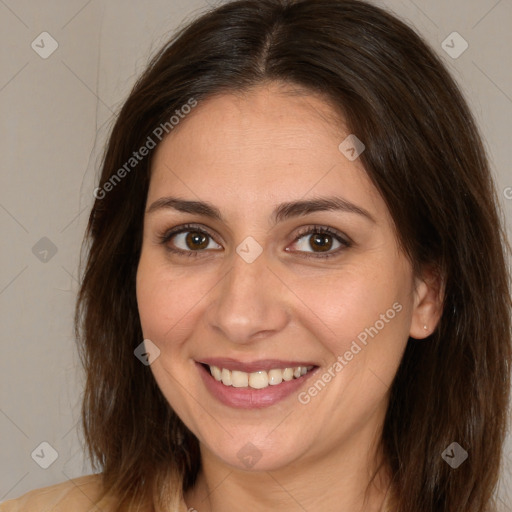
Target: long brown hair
425	156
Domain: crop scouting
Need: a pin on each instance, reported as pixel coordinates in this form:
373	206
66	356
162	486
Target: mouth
253	385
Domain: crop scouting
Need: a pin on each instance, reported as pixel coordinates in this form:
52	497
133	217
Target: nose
249	303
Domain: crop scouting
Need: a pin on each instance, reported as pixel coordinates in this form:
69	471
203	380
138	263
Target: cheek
168	299
361	315
347	301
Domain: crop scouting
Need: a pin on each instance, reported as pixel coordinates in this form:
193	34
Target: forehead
270	144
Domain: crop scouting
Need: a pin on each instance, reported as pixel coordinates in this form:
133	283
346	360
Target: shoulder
77	495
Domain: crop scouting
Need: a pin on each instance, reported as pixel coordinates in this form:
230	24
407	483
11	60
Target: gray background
55	116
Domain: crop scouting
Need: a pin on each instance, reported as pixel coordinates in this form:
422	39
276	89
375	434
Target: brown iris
320	242
195	240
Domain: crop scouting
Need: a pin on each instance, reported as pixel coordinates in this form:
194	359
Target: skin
245	154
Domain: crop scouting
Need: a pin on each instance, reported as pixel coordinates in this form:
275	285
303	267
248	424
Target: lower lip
249	398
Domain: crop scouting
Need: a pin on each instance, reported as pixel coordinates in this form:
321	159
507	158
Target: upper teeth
257	380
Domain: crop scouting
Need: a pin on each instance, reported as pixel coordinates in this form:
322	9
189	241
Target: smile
253	385
257	380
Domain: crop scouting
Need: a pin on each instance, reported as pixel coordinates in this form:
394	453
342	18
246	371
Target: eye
316	241
188	240
321	242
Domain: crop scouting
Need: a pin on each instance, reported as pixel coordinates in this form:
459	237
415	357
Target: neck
339	480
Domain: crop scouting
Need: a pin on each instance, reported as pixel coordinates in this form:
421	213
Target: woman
295	294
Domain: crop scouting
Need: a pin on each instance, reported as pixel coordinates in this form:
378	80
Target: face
266	249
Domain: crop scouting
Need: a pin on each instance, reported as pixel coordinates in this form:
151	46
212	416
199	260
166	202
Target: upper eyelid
168	233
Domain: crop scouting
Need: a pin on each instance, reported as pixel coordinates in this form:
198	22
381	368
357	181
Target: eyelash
165	237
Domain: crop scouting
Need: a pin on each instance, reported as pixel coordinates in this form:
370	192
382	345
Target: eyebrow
280	213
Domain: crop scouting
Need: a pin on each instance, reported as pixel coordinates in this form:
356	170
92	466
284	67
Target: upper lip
253	366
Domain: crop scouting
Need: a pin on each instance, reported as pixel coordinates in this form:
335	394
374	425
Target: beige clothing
76	495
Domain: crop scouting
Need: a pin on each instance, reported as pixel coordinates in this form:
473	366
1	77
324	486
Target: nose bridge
246	303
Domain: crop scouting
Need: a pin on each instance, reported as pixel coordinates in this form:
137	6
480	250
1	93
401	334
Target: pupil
196	240
322	242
